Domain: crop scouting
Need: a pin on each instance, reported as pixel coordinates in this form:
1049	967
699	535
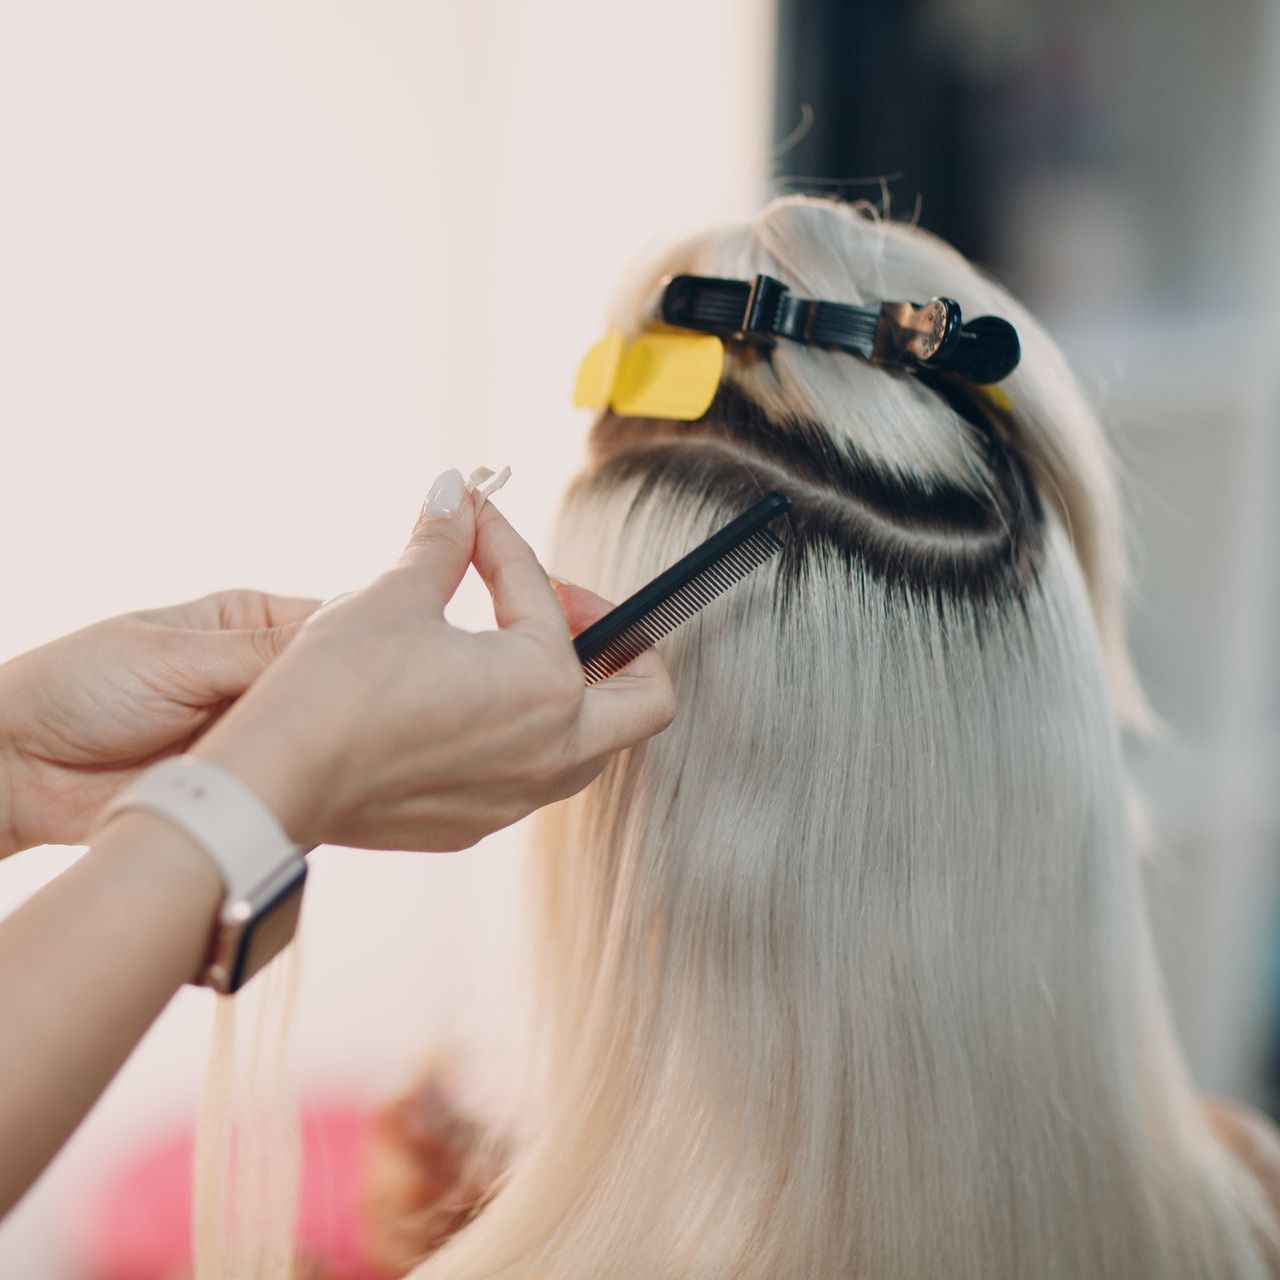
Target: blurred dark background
1126	132
1118	167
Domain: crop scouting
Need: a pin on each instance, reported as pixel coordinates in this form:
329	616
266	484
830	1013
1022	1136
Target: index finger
517	582
237	610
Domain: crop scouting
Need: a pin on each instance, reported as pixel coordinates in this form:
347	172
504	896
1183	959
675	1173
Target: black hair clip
931	336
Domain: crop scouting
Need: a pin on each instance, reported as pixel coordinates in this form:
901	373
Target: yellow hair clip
995	397
657	375
672	371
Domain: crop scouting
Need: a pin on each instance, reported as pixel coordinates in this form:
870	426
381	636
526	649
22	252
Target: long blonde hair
848	973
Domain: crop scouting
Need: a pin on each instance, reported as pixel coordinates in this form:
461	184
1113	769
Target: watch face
255	929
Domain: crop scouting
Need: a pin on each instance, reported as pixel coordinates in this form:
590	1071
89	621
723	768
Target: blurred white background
265	270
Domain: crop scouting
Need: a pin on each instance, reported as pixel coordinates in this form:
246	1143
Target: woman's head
847	972
893	424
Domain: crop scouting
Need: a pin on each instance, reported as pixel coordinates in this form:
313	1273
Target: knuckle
239	607
554	679
517	809
566	686
665	706
457	841
543	782
266	643
433	534
543	760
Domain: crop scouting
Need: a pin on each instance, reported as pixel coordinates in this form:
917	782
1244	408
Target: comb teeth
663	617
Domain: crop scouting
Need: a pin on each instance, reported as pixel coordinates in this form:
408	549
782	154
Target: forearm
85	967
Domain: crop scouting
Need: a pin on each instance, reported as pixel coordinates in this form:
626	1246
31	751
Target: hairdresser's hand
81	716
386	727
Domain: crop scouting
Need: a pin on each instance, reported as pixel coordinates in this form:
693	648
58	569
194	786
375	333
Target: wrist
160	853
151	860
274	770
262	872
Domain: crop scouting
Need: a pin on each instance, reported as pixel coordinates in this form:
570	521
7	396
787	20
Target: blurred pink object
141	1228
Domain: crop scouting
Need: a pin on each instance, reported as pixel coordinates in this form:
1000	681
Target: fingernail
444	498
561	582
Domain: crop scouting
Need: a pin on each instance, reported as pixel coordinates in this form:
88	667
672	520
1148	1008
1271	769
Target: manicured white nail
444	498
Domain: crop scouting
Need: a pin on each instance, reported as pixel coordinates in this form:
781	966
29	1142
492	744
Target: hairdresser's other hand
81	716
386	727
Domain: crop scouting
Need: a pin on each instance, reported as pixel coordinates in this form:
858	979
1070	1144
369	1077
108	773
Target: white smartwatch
263	870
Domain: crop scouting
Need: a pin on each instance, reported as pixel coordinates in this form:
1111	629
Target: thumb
440	547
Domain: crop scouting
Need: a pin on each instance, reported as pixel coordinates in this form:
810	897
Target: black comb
674	596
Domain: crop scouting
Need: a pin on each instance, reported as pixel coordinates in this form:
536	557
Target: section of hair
964	540
847	253
248	1146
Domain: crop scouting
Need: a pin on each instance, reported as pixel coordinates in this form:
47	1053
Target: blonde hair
248	1155
848	973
